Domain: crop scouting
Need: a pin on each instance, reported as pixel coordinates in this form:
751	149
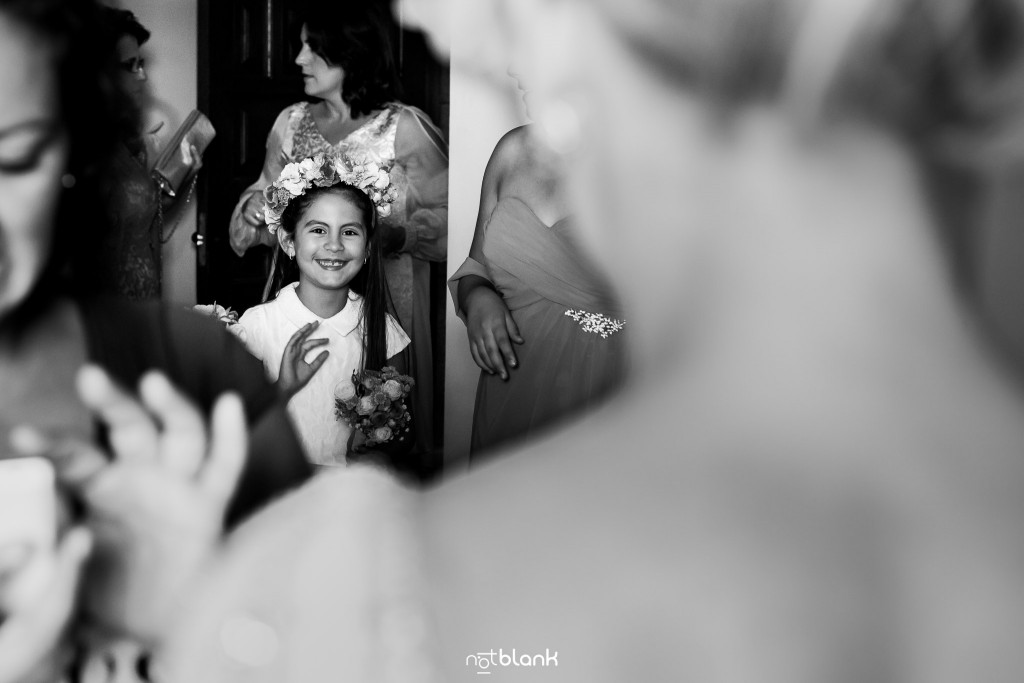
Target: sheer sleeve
476	263
422	152
397	339
469	267
243	235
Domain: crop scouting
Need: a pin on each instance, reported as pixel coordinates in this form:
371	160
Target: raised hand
295	372
156	510
33	648
492	330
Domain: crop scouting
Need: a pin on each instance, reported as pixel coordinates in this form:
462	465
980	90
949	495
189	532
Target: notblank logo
486	662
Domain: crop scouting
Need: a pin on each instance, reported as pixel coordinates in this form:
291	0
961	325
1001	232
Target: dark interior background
247	75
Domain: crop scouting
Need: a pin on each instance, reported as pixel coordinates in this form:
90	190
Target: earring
68	181
291	254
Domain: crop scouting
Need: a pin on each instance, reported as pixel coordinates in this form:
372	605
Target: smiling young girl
347	63
329	227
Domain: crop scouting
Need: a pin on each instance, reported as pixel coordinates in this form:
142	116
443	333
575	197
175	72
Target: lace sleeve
422	152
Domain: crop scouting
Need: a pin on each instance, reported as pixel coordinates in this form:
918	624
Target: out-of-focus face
133	68
589	102
320	78
33	157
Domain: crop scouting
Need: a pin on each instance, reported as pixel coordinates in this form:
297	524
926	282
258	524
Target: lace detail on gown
376	136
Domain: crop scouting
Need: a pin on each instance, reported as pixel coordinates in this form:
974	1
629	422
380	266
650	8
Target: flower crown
323	171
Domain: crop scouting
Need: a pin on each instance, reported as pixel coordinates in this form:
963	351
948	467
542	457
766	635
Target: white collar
344	322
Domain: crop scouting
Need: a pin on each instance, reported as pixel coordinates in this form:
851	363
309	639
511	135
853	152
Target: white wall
171	56
480	115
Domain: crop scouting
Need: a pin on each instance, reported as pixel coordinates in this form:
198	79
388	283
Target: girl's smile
330	264
329	246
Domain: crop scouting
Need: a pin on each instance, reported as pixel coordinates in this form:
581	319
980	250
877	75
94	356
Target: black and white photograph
583	341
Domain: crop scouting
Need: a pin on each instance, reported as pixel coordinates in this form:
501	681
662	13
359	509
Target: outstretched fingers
492	345
183	438
300	337
479	352
513	329
317	362
228	447
133	433
311	344
75	461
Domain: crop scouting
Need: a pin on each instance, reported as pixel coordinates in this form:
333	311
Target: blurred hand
156	509
492	331
191	157
32	644
295	372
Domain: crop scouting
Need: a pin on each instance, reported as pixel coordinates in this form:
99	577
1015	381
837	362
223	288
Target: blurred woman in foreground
63	115
815	473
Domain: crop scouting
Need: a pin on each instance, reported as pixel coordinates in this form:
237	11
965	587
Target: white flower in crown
291	179
371	175
322	171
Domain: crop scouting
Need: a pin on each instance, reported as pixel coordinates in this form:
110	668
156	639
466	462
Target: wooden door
247	75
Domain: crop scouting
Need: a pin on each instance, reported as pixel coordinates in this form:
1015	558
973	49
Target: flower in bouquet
368	174
376	404
227	316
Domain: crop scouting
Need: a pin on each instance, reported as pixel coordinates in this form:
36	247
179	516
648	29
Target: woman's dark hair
121	22
96	115
370	282
357	37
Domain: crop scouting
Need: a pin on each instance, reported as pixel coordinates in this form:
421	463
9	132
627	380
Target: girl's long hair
370	282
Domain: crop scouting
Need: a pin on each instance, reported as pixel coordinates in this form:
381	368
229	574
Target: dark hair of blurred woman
95	114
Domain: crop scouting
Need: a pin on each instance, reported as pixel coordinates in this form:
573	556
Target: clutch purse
171	172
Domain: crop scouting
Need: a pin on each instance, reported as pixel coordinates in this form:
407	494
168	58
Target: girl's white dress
266	329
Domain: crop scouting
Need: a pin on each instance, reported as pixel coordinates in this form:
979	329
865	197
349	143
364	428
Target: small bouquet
227	316
374	405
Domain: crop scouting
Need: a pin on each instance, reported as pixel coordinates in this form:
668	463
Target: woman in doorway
348	70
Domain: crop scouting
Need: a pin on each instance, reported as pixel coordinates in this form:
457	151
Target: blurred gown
564	366
324	584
